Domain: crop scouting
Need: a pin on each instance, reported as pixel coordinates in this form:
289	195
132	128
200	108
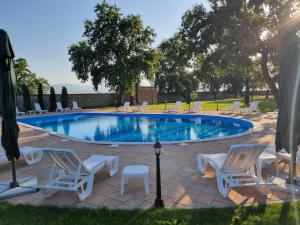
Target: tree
64	97
116	50
26	98
52	99
41	96
25	77
246	29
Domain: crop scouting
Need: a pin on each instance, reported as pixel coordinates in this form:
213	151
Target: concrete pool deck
182	184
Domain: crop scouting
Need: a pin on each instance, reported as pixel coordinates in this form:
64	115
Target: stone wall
148	94
84	100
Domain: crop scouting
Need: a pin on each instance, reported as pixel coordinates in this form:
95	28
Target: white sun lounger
142	107
75	106
31	155
18	112
69	173
235	107
38	109
176	108
125	107
235	168
196	107
253	107
59	108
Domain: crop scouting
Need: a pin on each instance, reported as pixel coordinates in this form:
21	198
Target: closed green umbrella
10	129
288	124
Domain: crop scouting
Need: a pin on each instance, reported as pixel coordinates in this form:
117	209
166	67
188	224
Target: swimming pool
140	128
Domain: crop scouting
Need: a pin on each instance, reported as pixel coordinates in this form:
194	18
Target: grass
272	214
211	105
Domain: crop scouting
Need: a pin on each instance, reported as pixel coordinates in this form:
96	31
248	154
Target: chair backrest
178	104
17	110
75	105
145	103
235	105
126	104
253	106
197	105
66	159
37	107
242	157
59	106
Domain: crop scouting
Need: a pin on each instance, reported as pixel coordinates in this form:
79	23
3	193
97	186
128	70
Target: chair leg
222	184
146	183
86	188
202	164
122	184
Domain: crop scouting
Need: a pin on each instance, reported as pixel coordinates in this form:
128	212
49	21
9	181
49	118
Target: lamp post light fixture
159	203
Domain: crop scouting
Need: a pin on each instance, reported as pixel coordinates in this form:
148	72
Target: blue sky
42	31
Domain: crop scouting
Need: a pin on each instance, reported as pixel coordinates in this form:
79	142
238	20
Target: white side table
135	171
265	158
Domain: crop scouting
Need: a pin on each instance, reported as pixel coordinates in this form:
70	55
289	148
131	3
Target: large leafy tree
245	29
115	51
175	75
25	77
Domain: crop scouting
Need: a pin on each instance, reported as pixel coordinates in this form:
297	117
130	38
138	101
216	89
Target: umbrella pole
14	182
292	169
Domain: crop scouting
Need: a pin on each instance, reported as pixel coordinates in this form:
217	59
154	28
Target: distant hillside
79	88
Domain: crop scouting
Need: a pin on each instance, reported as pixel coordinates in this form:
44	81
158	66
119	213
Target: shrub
52	99
41	96
26	98
64	97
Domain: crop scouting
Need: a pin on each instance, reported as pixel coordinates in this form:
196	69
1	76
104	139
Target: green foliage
41	96
52	99
64	97
26	98
116	50
271	214
25	77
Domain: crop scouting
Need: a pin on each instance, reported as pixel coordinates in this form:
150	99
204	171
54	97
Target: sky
42	31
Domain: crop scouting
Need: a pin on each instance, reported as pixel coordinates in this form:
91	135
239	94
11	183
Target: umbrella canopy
288	124
10	129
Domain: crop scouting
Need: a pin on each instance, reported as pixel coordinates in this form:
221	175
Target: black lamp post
159	203
166	105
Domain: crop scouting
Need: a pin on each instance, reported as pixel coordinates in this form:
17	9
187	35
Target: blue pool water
109	127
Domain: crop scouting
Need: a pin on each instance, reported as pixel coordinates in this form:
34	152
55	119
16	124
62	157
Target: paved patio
182	184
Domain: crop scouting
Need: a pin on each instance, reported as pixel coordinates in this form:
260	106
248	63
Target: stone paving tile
182	184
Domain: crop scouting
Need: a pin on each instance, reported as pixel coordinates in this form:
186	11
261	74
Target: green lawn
272	214
211	105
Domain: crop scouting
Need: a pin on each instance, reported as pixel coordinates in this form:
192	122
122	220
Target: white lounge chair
125	107
176	108
142	107
71	174
18	112
75	106
253	107
235	168
196	107
59	108
31	155
235	107
38	109
272	115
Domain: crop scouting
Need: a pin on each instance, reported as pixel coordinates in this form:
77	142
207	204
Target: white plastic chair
235	168
18	112
59	108
235	106
31	155
38	109
124	108
75	106
71	174
253	107
196	107
142	107
176	108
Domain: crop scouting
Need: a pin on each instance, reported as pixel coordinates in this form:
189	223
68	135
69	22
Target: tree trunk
120	95
247	93
137	93
265	71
